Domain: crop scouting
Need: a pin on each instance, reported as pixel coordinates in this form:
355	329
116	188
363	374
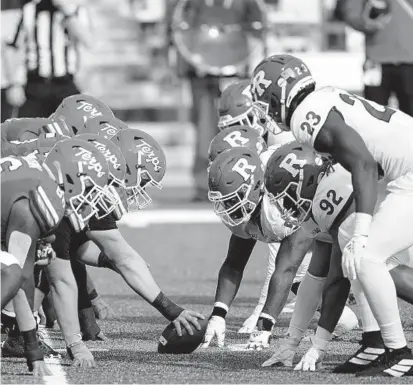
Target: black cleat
370	352
13	347
394	363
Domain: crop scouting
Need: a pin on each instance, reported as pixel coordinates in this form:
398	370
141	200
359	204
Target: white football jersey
333	194
387	132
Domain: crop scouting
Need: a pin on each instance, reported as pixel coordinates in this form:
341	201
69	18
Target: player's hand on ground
284	353
216	327
82	357
101	309
187	319
259	339
352	254
312	360
40	369
249	324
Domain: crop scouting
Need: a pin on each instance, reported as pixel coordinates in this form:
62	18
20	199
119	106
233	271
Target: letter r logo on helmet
243	168
260	83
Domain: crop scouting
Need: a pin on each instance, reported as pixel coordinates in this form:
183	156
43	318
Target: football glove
259	339
216	327
284	353
249	324
81	356
352	254
312	360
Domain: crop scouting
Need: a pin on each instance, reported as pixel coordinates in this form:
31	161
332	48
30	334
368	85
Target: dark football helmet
276	82
236	136
291	179
75	110
145	165
236	108
235	181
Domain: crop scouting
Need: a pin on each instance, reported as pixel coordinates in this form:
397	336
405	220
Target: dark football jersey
24	178
19	136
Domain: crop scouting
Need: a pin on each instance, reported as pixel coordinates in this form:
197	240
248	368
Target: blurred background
131	67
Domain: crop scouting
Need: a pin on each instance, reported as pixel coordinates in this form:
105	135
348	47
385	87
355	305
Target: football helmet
276	82
105	126
291	178
82	172
145	165
117	172
235	107
236	136
235	182
75	110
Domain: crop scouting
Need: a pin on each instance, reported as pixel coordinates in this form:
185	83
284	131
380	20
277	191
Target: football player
322	200
35	197
367	139
235	183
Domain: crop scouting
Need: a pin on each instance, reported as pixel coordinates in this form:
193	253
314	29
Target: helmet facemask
234	208
86	204
137	197
112	202
249	118
294	209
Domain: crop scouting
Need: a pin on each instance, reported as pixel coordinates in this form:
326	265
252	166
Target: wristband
166	307
362	223
31	348
73	340
266	322
220	310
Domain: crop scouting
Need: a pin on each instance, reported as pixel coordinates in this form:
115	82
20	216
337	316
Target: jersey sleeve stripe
47	207
58	129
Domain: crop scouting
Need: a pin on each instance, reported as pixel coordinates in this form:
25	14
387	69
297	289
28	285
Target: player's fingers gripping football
216	327
185	319
40	369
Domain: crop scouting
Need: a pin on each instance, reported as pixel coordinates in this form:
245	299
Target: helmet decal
146	150
235	139
89	108
92	163
258	81
243	168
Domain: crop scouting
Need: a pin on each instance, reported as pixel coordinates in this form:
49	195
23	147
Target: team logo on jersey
145	149
108	131
89	109
91	162
109	156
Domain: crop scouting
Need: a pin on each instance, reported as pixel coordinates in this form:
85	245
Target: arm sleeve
239	252
106	223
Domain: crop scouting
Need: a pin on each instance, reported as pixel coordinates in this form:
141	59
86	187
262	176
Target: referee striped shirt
49	52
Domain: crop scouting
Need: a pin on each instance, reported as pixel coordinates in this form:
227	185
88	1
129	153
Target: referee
49	33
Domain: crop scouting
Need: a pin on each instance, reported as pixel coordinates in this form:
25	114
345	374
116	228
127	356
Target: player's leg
390	233
250	323
11	277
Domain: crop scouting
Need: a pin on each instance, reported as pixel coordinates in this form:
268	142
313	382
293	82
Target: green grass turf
185	260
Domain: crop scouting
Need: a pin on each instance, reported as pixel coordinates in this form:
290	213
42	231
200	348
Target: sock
368	321
308	298
93	294
381	295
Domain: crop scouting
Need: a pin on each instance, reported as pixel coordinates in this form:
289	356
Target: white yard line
58	376
152	217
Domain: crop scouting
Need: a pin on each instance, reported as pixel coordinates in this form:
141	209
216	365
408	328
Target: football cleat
370	352
393	363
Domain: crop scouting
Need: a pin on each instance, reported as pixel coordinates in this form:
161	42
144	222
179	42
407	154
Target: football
171	343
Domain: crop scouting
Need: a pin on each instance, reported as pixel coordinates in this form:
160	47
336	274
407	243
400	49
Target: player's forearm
64	291
229	280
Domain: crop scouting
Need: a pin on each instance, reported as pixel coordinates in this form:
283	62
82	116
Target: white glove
352	254
216	327
284	353
259	339
249	324
312	360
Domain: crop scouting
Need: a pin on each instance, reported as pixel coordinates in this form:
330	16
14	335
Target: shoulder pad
44	210
311	114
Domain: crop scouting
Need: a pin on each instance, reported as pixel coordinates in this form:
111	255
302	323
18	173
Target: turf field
185	258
